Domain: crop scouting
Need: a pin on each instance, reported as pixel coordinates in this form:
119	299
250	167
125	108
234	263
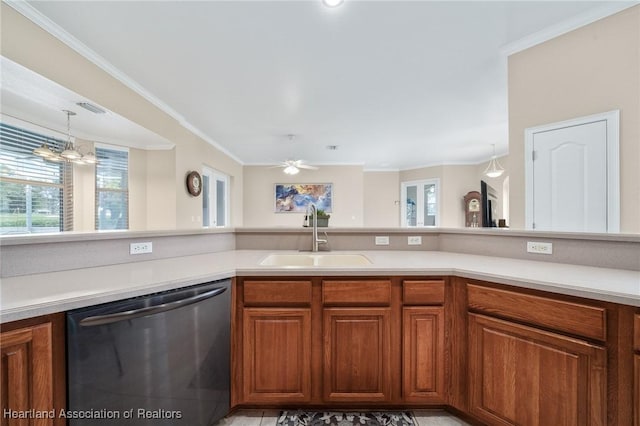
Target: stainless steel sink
315	260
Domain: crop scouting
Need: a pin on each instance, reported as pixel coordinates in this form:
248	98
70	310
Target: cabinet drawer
423	292
574	318
277	293
356	293
636	332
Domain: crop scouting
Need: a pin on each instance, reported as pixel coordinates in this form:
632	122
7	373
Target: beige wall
27	44
84	193
161	172
587	71
381	195
348	182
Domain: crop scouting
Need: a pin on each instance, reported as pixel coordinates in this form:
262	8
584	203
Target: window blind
35	195
112	189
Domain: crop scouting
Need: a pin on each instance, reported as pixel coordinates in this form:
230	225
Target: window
35	195
420	203
112	188
215	198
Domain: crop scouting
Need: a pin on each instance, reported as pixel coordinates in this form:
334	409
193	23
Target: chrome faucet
312	211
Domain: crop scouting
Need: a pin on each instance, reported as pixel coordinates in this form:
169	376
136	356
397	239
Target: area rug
319	418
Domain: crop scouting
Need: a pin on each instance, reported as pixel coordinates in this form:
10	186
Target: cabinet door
636	390
524	376
423	354
27	372
276	346
357	354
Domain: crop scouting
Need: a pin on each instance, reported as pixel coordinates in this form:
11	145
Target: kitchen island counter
39	294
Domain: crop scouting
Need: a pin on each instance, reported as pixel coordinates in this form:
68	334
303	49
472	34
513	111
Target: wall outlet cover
382	240
414	240
539	247
141	248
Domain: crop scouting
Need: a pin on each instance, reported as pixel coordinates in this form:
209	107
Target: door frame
612	119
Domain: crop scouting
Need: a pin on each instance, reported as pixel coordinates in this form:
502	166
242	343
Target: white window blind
112	189
35	195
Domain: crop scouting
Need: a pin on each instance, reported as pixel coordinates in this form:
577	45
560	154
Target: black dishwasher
161	359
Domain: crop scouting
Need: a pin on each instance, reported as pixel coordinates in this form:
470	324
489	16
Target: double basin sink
315	260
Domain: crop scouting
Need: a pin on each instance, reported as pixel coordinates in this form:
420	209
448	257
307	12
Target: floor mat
333	418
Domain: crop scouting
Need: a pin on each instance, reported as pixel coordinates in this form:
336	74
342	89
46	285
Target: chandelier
69	154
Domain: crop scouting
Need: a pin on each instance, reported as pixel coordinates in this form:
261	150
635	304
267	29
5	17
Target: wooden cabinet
356	340
520	375
357	354
276	355
276	341
423	354
423	342
500	354
636	370
32	372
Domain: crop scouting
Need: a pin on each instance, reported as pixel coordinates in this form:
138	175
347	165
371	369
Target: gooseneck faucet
312	212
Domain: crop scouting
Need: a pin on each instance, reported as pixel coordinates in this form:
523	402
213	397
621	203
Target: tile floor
270	417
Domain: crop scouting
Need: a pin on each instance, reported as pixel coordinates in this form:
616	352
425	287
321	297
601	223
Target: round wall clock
194	183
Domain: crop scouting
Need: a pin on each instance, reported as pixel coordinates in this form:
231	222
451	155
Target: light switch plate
539	247
382	240
141	248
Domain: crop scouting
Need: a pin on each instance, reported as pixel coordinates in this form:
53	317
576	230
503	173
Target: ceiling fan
292	167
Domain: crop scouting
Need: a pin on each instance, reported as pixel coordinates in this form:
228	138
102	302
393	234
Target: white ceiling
394	84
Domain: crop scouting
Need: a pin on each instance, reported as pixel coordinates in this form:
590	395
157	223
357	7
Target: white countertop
39	294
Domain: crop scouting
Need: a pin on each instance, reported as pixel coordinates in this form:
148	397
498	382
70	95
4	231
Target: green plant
322	213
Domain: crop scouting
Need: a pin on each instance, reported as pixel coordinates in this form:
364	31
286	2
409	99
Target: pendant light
494	169
69	154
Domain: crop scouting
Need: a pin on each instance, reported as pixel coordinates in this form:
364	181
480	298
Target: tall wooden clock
473	210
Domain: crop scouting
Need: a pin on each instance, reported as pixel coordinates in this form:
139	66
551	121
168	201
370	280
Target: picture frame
295	197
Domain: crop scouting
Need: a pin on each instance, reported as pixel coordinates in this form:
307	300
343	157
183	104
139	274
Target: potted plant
323	219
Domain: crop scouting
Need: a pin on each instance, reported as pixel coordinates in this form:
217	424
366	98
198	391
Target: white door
569	176
215	198
420	203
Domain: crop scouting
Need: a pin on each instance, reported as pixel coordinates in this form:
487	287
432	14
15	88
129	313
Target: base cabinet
636	389
276	355
357	355
636	369
520	375
32	370
423	352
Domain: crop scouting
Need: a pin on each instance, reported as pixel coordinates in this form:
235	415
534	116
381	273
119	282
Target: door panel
570	181
523	376
357	354
277	355
423	354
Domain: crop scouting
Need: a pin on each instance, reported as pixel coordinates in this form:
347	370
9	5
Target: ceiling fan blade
306	166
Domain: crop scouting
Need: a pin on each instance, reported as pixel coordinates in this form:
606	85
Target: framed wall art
295	197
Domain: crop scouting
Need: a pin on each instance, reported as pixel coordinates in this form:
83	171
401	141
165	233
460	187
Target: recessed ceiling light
332	147
332	3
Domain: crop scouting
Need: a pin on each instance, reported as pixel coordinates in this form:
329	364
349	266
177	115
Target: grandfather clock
472	210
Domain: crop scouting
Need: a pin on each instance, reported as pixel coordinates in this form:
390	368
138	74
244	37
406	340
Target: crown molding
566	26
35	16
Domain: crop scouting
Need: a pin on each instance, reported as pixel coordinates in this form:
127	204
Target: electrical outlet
382	241
414	241
539	247
140	248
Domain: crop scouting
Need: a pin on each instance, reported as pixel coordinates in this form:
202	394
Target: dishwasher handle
149	310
